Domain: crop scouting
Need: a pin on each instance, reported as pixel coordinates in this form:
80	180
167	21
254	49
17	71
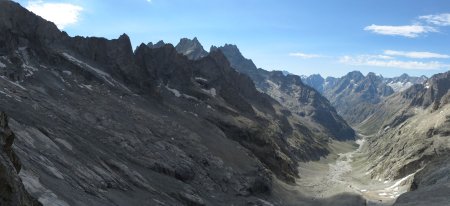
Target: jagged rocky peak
159	44
191	48
354	75
435	91
290	91
315	81
237	60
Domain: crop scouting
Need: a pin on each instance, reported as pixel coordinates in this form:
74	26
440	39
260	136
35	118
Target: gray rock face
12	191
355	95
315	81
291	93
412	133
191	48
99	124
430	186
159	44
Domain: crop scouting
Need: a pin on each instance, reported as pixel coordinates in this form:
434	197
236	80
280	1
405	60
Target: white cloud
416	55
439	20
305	56
62	14
370	60
411	31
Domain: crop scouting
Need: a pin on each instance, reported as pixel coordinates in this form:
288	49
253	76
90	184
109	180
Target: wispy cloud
410	31
62	14
439	19
371	60
416	55
305	56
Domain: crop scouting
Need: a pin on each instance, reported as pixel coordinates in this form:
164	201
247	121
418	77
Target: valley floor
345	170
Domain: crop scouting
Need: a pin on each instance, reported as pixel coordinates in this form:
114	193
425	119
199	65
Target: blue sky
303	37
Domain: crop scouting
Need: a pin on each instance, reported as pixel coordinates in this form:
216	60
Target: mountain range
354	95
90	121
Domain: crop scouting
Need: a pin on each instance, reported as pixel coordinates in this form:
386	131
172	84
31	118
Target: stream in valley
346	170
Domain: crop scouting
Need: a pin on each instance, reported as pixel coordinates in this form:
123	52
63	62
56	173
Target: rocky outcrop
159	44
191	48
431	185
12	191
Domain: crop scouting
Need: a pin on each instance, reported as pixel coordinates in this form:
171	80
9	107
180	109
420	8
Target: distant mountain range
355	95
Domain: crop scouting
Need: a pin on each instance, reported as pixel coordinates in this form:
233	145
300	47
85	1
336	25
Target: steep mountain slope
315	81
413	132
99	124
292	93
430	186
12	191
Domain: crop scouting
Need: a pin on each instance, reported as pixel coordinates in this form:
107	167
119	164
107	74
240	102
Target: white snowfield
179	94
201	79
400	86
211	91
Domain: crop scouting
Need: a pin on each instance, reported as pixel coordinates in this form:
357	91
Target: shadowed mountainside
100	124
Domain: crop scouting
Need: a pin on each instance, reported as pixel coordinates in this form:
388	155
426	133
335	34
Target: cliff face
411	138
290	91
191	48
12	191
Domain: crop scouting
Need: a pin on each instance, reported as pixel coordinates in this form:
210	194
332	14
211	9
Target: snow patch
174	91
68	73
179	94
200	79
64	143
13	83
87	86
188	51
2	65
400	86
211	91
34	186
